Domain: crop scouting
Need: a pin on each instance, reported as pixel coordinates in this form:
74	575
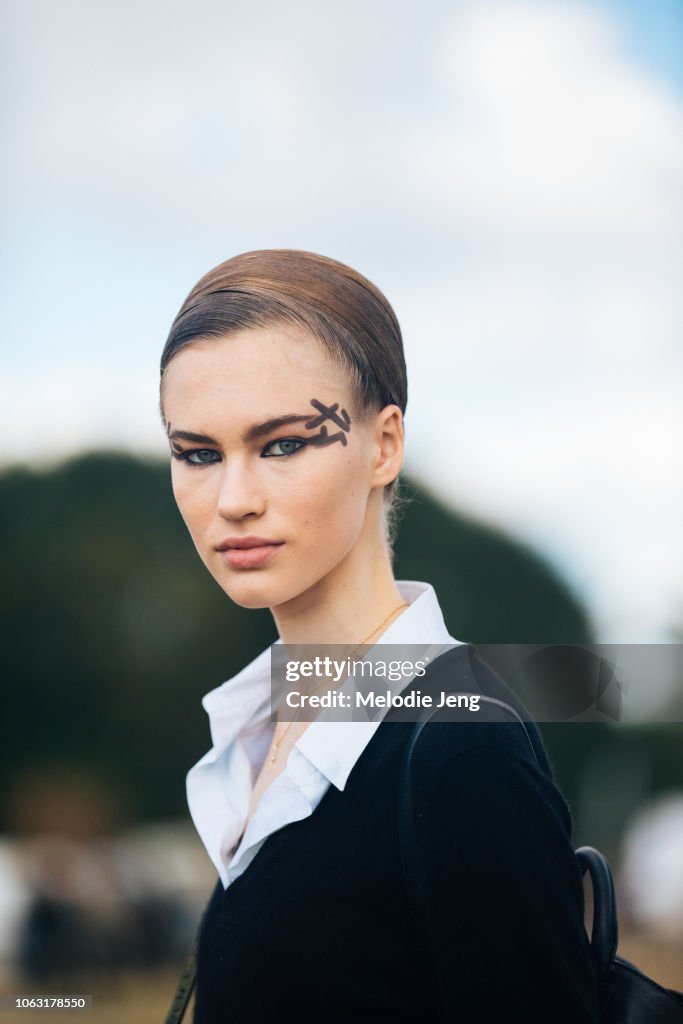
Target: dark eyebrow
251	434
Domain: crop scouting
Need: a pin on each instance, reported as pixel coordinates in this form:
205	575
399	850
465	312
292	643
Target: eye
286	445
200	460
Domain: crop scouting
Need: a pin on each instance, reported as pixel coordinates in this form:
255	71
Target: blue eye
199	452
285	444
186	456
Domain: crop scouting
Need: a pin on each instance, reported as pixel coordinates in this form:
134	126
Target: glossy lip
242	543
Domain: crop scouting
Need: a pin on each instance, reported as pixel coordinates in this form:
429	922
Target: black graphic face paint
342	420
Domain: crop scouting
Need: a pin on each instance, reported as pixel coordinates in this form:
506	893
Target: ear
390	442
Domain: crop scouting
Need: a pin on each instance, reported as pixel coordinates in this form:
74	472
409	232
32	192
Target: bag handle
605	931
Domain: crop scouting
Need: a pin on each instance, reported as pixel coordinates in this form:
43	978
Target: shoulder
490	786
489	761
498	720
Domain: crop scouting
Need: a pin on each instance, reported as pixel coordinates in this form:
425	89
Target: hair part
343	310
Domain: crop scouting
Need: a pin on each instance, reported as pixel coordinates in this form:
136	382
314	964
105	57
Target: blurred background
509	174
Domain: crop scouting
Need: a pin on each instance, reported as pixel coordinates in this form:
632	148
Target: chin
259	588
249	593
256	588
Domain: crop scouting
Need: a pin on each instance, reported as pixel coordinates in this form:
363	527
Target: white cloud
101	403
549	124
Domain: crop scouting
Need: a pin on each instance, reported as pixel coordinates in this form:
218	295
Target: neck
346	604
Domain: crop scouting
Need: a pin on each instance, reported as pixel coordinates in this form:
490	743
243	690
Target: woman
283	391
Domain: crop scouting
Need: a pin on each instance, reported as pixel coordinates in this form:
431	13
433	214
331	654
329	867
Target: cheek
330	501
192	501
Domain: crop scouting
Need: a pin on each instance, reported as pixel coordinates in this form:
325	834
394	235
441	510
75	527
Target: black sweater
320	926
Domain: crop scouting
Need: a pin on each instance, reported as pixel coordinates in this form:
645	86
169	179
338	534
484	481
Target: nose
239	494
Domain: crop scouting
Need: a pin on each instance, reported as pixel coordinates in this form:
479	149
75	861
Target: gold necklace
275	749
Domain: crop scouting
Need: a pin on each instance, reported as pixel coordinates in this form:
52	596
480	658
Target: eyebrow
251	434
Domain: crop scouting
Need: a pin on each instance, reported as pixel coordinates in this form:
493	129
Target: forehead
245	372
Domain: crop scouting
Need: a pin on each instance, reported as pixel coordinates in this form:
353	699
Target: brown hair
342	309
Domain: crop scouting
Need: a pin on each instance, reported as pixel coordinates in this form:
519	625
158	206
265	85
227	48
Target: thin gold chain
278	743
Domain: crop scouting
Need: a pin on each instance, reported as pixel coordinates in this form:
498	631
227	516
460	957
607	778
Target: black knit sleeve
502	896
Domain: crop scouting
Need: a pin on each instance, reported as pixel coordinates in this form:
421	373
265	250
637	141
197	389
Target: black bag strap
406	817
188	974
604	937
185	985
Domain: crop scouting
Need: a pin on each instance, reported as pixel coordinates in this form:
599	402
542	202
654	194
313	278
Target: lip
251	541
248	552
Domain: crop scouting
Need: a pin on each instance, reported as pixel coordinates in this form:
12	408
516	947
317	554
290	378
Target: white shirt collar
241	705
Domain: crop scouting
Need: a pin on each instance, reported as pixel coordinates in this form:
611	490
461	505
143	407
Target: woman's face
307	485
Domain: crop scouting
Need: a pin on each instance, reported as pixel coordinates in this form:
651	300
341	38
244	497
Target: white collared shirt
220	785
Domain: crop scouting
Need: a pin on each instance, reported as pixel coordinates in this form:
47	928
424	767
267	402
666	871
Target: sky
508	173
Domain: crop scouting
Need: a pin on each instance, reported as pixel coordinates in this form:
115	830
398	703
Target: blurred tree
492	589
